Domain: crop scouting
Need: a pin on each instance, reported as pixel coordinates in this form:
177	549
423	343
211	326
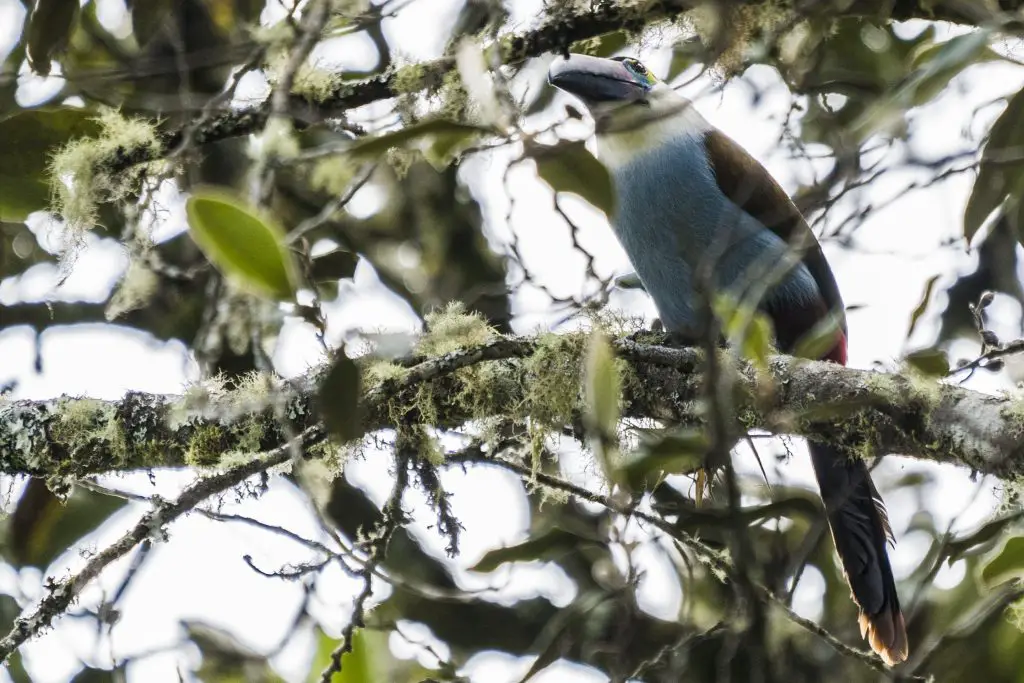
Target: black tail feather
860	530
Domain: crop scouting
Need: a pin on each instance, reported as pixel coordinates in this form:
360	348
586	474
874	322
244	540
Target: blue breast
670	213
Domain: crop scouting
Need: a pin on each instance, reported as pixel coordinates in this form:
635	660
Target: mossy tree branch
562	28
862	411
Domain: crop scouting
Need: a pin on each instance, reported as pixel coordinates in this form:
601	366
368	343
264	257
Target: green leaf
604	45
366	662
1016	218
969	544
149	17
1007	564
42	527
749	329
49	27
338	399
820	340
922	305
548	546
757	343
27	141
629	281
225	659
865	60
938	63
930	362
684	55
446	136
661	453
570	167
990	190
15	668
242	243
1000	173
91	675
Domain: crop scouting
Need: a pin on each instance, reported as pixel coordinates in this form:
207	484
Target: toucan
694	211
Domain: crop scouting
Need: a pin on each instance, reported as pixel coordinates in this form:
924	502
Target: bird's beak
595	80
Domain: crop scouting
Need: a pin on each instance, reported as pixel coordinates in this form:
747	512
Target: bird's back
671	213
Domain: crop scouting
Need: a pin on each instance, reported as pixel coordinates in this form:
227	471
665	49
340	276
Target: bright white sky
200	574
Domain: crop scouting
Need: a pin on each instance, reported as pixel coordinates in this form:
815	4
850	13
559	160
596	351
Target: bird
686	192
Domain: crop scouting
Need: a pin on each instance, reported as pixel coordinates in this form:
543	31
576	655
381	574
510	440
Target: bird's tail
860	530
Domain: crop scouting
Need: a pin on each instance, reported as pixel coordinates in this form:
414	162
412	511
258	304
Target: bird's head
629	104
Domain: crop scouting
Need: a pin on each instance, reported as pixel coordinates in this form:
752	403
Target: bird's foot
656	335
689	339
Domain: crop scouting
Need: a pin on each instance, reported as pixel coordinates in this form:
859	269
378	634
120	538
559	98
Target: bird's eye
638	69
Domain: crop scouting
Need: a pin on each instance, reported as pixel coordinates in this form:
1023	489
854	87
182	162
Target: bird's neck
632	133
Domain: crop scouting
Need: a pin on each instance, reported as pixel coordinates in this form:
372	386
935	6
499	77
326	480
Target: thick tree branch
862	411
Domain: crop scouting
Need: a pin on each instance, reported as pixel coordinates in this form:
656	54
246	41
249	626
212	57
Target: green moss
79	419
198	399
886	386
310	82
252	393
1012	412
858	433
422	443
349	8
426	402
240	414
737	31
250	432
543	392
455	102
452	329
334	456
925	392
378	371
83	424
229	459
1015	614
205	447
137	287
278	140
332	174
486	387
914	391
80	179
401	160
1011	498
410	78
316	477
280	34
553	377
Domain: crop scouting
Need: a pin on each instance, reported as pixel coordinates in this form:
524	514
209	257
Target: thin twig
392	518
63	592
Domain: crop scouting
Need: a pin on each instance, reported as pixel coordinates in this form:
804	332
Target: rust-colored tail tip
887	634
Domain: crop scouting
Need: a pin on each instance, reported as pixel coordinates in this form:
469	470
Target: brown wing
749	185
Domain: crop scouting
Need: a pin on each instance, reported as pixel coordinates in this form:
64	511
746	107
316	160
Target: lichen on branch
328	95
82	170
463	372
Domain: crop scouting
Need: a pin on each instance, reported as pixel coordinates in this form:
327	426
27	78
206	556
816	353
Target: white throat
625	134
